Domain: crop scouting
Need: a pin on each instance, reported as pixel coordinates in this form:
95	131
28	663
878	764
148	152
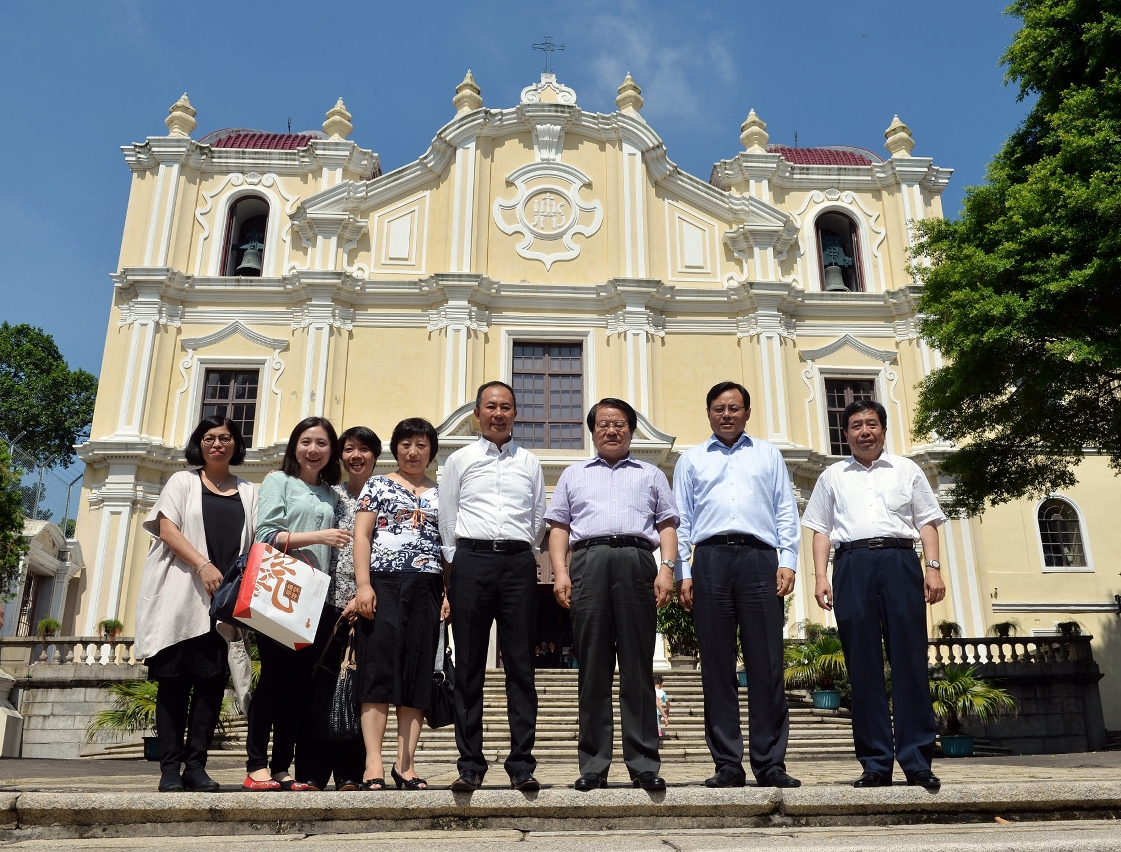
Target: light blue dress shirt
744	488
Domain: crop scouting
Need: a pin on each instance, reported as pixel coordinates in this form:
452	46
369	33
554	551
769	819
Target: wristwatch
669	563
935	564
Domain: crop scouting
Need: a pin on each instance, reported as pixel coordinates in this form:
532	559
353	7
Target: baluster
132	661
104	653
118	654
42	658
91	654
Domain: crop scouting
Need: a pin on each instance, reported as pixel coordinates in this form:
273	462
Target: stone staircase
813	733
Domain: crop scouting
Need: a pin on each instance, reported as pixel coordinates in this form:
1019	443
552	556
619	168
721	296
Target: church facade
275	276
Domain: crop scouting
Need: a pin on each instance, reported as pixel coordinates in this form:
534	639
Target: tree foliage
1023	291
41	397
12	543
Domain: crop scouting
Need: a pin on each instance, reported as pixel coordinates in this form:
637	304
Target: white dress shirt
491	494
890	499
744	488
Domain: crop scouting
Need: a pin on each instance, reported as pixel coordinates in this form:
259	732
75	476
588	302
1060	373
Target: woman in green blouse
295	512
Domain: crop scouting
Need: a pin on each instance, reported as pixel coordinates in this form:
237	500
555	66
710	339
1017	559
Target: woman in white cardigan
203	520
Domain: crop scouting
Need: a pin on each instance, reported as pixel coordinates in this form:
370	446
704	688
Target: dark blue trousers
879	604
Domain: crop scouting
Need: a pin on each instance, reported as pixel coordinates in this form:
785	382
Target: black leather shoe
468	781
197	781
590	781
170	782
871	779
649	781
726	777
523	780
778	778
924	778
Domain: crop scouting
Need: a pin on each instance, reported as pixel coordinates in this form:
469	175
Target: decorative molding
321	315
1065	606
235	327
535	93
459	315
556	211
884	355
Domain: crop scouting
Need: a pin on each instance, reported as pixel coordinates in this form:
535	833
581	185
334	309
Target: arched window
1060	534
245	236
838	247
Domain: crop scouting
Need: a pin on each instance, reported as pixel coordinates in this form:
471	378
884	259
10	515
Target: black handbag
334	711
224	601
441	708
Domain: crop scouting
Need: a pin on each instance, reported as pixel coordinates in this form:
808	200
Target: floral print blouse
407	535
343	587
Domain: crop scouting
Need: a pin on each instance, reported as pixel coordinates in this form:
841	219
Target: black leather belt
499	546
614	541
877	544
735	540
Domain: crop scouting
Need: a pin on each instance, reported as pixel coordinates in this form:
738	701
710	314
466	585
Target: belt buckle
494	545
615	540
875	543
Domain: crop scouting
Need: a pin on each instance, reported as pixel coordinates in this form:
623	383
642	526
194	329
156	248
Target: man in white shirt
870	507
492	510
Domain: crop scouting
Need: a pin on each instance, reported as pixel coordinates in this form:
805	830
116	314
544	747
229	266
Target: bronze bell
250	262
834	279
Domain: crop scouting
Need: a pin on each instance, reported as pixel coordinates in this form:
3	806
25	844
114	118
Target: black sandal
407	783
373	785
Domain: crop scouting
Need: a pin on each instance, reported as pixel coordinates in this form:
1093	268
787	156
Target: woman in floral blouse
400	579
316	760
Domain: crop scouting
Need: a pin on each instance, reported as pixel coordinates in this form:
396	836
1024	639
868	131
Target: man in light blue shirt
738	512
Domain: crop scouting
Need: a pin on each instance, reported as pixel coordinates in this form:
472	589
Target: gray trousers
614	615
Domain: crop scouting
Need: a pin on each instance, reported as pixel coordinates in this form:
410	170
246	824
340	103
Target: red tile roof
821	156
264	141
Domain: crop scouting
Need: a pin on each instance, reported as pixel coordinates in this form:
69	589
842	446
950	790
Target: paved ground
1084	836
136	776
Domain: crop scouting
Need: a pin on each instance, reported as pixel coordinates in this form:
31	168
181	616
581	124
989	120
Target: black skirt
199	658
397	647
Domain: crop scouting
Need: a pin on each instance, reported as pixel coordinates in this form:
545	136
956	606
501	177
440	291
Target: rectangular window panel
838	394
233	394
548	379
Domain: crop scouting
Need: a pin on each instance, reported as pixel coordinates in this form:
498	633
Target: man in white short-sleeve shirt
870	507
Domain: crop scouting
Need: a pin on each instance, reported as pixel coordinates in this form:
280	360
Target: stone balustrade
1029	650
18	654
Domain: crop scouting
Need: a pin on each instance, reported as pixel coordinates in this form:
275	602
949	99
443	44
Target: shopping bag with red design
281	596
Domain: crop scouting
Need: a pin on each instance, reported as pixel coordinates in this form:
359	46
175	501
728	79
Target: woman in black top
203	521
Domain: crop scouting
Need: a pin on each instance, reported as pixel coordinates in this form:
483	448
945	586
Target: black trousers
879	604
614	616
277	705
173	719
735	586
316	760
485	587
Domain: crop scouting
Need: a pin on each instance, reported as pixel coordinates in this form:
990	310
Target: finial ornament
180	119
338	126
753	133
898	136
629	99
468	95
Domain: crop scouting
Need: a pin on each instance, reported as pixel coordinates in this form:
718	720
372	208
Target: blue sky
82	79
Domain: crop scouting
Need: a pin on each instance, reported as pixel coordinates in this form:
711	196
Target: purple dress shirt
596	499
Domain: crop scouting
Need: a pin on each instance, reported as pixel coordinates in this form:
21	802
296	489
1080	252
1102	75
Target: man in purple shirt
613	512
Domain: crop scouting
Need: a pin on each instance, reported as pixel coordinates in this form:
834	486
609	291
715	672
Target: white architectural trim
886	355
819	373
1053	606
269	368
235	327
1088	568
971	576
269	188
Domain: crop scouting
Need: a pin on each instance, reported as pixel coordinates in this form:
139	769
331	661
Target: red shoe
251	786
291	785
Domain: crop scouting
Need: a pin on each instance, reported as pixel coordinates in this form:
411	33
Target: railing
1031	650
67	650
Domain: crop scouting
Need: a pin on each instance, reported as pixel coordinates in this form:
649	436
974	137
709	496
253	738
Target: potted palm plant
110	628
956	692
1069	629
816	665
1004	629
675	623
47	627
948	629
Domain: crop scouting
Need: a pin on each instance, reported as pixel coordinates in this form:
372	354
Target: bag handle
441	647
327	647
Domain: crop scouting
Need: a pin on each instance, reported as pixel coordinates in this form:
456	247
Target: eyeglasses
729	409
618	425
224	440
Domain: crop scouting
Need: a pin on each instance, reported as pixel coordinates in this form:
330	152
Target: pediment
234	328
847	340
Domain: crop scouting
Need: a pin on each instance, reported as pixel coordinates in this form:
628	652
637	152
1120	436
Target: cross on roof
547	47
